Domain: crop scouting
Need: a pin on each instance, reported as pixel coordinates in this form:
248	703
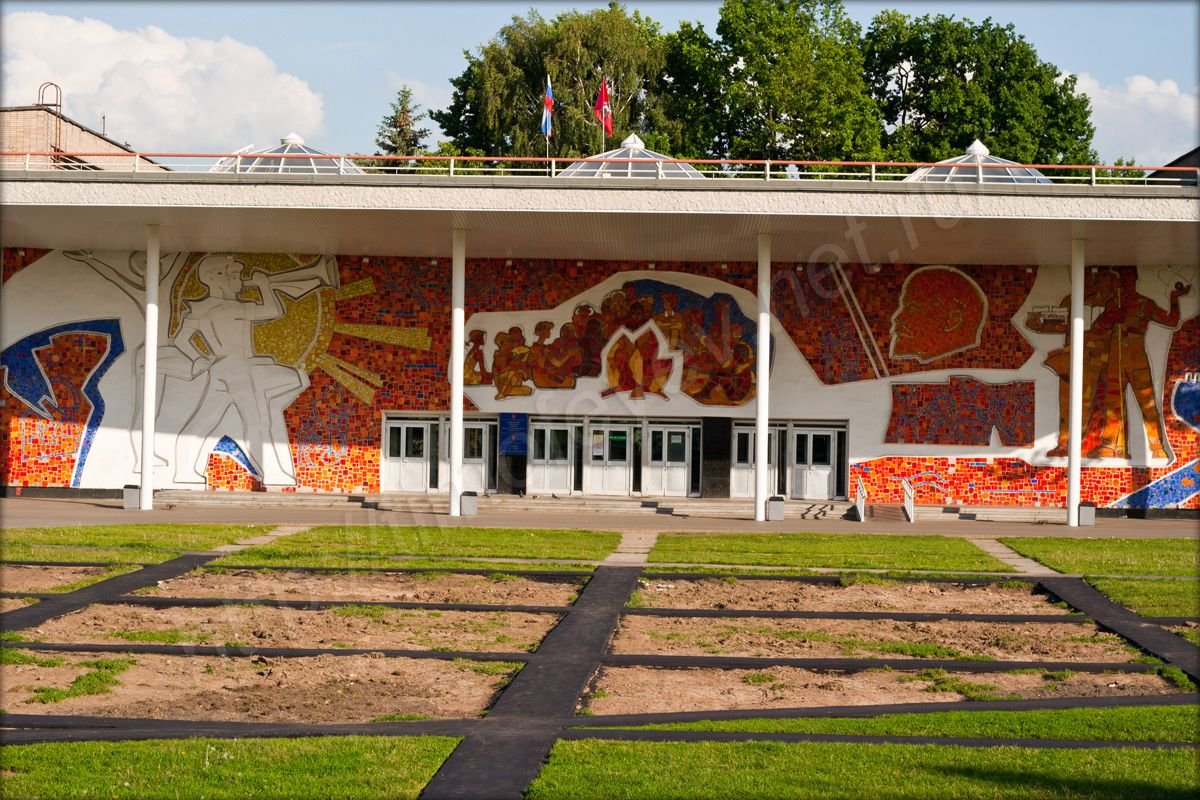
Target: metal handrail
860	500
910	500
518	166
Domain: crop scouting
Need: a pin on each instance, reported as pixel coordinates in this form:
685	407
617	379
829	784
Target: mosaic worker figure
132	281
510	365
1128	318
216	333
475	371
669	321
550	368
1095	354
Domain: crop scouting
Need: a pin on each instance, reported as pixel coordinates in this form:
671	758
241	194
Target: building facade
917	334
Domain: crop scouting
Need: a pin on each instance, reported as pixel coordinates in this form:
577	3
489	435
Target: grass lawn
608	770
1151	598
1147	724
1166	557
365	546
118	544
847	551
342	767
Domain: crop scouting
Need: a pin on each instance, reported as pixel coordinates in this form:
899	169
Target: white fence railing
910	501
860	501
265	165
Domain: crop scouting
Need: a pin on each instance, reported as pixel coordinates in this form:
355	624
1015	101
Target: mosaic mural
55	374
1013	481
277	370
941	311
853	323
229	468
1114	359
628	342
963	411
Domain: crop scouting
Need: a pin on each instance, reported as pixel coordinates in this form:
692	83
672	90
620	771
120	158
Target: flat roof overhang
616	219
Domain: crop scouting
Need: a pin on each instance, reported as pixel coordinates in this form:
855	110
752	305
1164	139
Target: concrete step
895	511
886	511
190	498
743	508
1013	514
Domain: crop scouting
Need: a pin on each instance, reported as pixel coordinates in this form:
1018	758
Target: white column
762	378
458	339
1075	419
150	373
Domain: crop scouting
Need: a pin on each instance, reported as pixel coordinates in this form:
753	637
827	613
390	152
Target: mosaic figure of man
1096	340
1129	317
235	377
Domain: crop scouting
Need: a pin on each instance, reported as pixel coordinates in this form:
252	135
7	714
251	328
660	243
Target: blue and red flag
547	109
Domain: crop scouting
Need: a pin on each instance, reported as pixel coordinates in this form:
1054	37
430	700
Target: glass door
813	465
743	467
669	461
550	457
609	457
407	456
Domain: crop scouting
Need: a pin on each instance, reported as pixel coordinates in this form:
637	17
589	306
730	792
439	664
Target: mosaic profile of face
941	311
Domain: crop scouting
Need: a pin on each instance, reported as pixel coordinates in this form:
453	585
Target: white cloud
1154	122
159	92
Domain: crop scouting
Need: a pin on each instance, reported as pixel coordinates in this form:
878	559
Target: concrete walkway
634	549
266	538
1002	552
27	512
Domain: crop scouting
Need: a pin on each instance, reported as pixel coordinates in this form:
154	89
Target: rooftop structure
291	156
630	160
978	165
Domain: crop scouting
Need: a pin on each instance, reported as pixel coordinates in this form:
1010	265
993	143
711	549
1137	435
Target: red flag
602	109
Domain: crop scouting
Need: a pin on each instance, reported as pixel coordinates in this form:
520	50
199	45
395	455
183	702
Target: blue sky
221	75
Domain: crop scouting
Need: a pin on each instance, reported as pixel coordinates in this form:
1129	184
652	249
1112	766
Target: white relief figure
232	377
132	281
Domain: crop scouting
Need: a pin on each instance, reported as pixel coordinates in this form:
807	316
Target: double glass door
410	458
610	459
813	463
667	471
550	458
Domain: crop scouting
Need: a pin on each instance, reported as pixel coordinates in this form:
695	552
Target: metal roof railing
527	167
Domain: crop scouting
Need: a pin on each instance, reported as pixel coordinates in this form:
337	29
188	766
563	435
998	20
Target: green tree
692	90
398	134
497	100
794	85
942	82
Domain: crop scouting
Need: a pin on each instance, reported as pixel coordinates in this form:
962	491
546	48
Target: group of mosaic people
717	364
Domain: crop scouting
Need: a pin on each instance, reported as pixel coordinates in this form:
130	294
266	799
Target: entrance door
550	459
610	454
813	465
742	480
668	472
477	446
410	456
